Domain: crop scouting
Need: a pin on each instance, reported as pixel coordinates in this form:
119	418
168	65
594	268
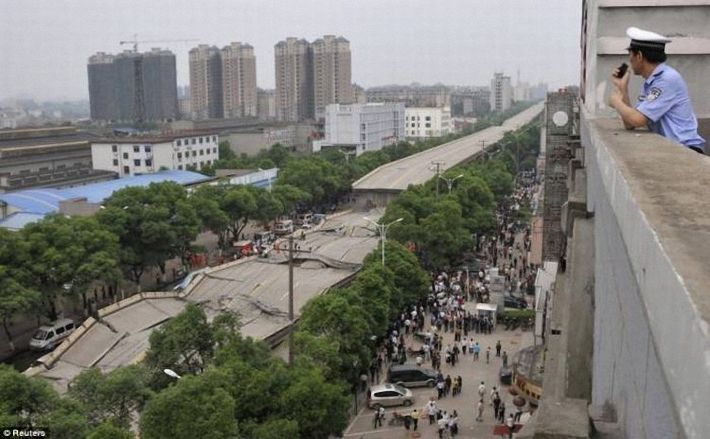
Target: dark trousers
697	149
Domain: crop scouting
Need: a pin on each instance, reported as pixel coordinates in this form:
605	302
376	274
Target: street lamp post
382	228
450	181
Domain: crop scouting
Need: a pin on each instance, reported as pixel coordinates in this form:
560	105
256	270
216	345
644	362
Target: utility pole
290	300
437	164
483	149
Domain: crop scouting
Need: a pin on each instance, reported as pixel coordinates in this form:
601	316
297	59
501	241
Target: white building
425	122
501	93
357	128
143	155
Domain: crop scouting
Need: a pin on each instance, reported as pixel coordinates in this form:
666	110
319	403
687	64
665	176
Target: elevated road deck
380	185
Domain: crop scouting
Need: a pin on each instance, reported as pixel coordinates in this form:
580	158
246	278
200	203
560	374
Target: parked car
47	337
387	395
410	375
514	302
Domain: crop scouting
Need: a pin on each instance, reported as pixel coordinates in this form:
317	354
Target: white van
48	337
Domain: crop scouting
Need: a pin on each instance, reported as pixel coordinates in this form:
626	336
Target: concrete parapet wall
652	287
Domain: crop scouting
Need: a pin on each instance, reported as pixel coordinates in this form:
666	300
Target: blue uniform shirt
665	102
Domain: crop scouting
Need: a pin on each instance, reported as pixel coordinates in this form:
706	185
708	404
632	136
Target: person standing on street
481	406
498	348
482	390
488	355
415	419
431	411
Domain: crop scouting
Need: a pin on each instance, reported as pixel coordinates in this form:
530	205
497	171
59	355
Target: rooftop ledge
660	196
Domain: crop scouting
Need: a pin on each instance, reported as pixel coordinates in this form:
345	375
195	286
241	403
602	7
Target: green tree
66	420
107	430
225	151
154	224
446	236
319	407
112	396
410	280
276	429
205	201
290	196
24	401
15	295
66	255
184	343
192	407
239	203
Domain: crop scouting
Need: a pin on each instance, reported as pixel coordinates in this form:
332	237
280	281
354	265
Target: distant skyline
45	44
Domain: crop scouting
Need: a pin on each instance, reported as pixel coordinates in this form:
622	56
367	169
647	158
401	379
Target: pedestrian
496	405
482	390
431	410
407	421
476	351
379	416
510	423
455	424
505	359
480	410
440	388
464	346
488	355
498	347
441	424
518	414
447	385
415	419
501	412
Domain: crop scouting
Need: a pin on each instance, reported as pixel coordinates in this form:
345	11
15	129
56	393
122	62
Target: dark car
515	302
410	375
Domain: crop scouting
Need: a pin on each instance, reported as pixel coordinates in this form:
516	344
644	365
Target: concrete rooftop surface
416	169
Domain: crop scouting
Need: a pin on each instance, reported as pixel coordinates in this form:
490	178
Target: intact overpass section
382	184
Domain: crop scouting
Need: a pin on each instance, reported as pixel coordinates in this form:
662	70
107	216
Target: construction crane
135	42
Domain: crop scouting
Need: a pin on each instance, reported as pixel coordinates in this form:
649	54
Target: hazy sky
45	44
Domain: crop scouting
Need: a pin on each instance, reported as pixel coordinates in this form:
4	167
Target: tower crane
135	41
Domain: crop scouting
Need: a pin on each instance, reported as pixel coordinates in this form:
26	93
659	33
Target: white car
386	395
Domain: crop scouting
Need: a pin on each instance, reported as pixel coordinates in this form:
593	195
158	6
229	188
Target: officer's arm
631	117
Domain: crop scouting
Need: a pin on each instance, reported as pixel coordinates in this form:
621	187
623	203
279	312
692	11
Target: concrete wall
651	335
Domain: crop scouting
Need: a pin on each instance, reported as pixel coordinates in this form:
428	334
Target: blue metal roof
42	201
18	220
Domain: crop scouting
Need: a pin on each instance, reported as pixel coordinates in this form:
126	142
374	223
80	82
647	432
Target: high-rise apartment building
239	80
501	92
102	87
206	82
294	79
133	86
331	72
310	76
159	85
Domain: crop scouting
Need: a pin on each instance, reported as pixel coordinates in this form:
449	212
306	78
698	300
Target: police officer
664	105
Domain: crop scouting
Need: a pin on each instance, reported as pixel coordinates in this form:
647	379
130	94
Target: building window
413	125
179	156
148	162
427	118
200	139
137	162
180	167
202	151
194	153
214	138
136	148
125	155
179	142
147	148
427	125
114	148
126	170
214	150
115	162
194	141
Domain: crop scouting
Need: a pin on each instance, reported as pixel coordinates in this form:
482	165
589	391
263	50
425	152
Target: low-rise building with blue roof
20	208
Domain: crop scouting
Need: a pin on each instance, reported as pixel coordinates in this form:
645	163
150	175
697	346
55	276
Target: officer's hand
615	97
621	83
